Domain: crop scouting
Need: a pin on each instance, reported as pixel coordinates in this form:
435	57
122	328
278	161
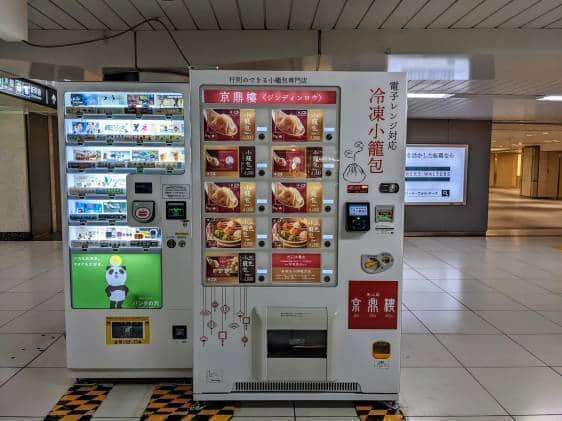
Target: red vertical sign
372	305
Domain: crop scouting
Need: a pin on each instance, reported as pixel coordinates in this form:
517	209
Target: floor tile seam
507	296
60	335
507	335
532	353
5	382
32	307
458	361
11	320
28	310
444	261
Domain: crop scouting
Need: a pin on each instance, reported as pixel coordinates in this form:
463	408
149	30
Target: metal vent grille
302	386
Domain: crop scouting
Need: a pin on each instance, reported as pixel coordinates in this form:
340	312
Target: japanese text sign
372	305
269	96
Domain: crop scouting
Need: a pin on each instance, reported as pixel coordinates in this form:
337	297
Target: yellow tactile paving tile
175	402
79	402
377	411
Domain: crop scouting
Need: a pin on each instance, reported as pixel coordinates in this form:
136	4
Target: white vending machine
298	213
128	301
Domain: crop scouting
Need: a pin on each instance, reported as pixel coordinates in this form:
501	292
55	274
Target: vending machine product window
270	186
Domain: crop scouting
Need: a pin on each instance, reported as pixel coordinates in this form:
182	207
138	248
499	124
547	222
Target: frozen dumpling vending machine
128	300
298	216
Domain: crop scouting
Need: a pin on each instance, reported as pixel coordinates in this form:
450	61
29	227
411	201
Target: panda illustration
116	277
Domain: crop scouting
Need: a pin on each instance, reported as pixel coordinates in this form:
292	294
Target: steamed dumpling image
287	196
220	123
288	123
221	196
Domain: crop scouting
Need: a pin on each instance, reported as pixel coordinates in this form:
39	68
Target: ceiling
294	14
506	136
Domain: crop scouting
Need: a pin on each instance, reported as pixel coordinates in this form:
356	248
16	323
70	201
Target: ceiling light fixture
551	98
428	95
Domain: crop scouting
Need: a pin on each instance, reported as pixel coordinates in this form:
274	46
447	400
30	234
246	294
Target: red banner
372	305
268	96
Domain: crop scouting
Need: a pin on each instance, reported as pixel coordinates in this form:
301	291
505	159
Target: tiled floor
508	210
482	335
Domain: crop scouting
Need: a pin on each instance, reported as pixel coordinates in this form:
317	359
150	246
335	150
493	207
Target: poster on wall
116	280
436	174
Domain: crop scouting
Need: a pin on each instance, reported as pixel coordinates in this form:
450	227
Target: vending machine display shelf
119	246
97	222
124	113
97	196
125	170
116	141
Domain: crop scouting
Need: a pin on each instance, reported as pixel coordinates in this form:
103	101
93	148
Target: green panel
116	280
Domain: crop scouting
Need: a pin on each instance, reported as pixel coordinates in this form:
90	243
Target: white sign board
436	174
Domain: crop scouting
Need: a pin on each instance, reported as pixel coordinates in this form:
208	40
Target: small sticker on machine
175	191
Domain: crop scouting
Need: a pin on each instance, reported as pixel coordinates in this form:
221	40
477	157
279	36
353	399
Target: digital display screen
358	210
176	210
435	174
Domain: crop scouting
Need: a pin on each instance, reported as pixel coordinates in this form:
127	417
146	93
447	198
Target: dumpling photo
288	123
221	196
287	196
220	123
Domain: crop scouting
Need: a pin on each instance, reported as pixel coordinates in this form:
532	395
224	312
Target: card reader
357	216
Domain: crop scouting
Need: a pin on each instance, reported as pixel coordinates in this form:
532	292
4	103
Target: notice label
175	191
295	267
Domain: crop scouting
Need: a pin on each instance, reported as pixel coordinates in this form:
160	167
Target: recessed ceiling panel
81	14
303	13
55	13
103	12
202	14
510	10
226	12
178	14
429	13
352	13
252	13
277	14
327	14
402	14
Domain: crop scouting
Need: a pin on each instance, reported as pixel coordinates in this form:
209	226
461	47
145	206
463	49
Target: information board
436	174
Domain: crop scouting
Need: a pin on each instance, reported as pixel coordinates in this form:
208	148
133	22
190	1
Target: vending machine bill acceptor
125	173
298	222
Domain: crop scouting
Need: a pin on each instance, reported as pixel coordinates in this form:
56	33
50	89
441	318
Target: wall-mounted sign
28	90
436	174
